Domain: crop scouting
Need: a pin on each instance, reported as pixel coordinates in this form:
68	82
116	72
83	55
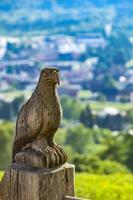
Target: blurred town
77	58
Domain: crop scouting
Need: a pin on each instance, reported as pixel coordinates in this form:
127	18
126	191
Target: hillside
66	17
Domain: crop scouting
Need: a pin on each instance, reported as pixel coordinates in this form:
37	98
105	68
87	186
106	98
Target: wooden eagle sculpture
38	120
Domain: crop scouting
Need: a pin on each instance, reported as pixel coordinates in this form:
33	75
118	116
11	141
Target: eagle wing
29	124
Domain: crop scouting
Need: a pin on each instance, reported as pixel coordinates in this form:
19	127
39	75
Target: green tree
16	104
71	108
78	138
128	138
115	148
113	57
86	117
6	111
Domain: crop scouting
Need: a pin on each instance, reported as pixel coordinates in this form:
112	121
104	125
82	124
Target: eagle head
50	75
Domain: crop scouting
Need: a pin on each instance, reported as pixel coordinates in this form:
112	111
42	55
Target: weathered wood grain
25	183
37	123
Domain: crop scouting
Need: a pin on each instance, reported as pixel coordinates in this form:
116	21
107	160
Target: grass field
103	187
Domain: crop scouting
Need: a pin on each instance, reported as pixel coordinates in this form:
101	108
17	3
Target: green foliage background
103	158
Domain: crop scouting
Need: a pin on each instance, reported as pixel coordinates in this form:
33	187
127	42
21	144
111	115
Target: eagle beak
55	77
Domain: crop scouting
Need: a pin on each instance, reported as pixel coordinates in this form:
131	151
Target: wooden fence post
26	183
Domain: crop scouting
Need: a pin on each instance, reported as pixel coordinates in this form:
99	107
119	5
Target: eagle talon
61	153
57	158
50	157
